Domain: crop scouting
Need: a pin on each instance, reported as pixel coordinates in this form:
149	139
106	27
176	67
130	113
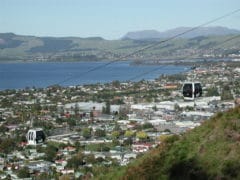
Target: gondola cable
148	47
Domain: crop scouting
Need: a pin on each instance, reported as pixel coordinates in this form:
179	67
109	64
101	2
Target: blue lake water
22	75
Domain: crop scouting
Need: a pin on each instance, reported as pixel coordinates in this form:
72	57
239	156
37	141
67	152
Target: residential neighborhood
78	131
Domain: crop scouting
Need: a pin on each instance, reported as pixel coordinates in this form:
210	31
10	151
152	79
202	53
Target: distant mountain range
202	31
196	43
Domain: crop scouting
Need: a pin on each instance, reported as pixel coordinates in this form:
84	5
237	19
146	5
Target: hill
210	151
202	31
31	48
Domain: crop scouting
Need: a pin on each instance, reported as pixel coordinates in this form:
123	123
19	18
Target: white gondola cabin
35	136
191	90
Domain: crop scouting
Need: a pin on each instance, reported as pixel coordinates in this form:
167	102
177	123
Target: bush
187	169
23	173
231	169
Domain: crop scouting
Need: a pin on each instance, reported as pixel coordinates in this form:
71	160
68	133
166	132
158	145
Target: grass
210	151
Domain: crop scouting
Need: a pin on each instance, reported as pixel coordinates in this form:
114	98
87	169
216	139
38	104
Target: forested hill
31	48
210	151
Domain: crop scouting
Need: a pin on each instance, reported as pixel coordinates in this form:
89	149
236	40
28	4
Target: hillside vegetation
30	48
210	151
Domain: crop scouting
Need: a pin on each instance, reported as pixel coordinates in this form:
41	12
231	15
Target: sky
110	19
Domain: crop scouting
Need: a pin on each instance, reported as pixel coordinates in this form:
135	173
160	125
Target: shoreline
42	75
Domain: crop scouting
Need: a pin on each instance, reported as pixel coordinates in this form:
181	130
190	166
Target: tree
226	94
71	122
123	111
76	161
91	115
23	173
102	147
76	109
65	177
115	134
116	84
117	127
42	176
86	133
128	141
115	142
108	108
90	158
3	129
177	108
7	145
100	133
141	135
213	91
231	169
50	152
129	133
147	125
154	108
6	102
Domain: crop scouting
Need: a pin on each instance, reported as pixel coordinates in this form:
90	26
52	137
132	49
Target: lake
22	75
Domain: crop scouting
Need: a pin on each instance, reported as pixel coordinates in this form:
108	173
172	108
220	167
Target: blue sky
110	19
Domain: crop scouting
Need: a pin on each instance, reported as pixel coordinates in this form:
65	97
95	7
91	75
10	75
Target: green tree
116	84
226	95
76	109
6	102
90	159
141	135
154	108
50	152
108	107
7	145
115	134
103	147
71	122
231	169
100	133
76	161
117	127
128	141
86	133
177	108
65	177
42	176
129	133
3	129
213	91
147	125
23	173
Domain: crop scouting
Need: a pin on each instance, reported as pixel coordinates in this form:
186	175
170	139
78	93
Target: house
237	101
67	171
141	147
99	155
70	149
61	162
170	86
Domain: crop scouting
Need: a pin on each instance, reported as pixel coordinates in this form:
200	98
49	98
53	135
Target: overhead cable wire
148	47
186	57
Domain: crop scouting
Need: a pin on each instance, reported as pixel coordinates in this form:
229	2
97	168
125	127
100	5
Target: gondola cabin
35	136
191	90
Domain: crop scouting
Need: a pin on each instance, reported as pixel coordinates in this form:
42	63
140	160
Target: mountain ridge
20	48
201	31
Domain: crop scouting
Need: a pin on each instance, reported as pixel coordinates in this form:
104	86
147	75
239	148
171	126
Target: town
81	131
